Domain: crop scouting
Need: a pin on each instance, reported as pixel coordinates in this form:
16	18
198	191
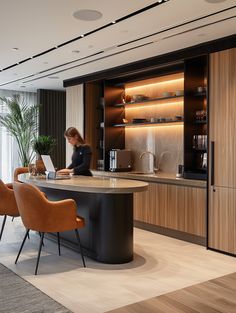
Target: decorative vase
40	167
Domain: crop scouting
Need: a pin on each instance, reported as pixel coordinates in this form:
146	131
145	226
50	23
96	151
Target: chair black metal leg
40	237
22	245
12	219
39	252
3	224
28	236
58	241
81	250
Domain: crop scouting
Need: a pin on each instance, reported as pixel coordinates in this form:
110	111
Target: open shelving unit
194	102
169	123
146	101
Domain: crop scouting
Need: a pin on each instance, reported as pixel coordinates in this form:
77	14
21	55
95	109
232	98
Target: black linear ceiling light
155	4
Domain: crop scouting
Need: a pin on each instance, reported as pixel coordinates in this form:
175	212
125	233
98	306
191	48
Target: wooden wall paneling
52	121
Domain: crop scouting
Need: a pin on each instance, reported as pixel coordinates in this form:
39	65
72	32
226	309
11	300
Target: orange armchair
42	215
18	171
8	204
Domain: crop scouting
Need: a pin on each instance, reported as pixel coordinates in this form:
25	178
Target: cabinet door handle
212	163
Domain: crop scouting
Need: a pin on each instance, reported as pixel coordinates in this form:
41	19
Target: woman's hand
65	171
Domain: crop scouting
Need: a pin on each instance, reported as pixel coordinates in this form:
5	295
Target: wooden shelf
145	101
149	124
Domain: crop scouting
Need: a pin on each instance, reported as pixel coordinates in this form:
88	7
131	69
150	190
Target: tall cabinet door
222	151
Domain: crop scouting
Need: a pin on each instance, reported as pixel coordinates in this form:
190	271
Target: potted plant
42	145
21	122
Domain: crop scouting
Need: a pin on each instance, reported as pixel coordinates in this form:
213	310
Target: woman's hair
73	132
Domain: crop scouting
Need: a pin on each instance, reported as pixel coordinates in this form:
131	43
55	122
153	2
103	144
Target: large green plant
43	144
21	122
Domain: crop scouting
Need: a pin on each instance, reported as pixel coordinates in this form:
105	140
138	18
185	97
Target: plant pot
40	167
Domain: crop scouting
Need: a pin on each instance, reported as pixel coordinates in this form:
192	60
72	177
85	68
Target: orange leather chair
45	216
8	204
20	170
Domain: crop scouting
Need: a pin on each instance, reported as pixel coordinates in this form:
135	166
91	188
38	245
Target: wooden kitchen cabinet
175	207
222	219
222	161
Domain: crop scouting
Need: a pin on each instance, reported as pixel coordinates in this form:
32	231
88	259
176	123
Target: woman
81	156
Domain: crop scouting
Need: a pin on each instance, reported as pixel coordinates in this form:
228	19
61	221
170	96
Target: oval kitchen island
106	204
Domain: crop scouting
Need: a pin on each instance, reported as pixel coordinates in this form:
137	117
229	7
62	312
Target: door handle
212	163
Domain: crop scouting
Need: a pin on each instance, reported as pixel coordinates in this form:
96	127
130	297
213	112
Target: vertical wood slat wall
52	121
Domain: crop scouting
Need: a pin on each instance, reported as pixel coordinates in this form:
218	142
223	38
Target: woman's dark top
81	158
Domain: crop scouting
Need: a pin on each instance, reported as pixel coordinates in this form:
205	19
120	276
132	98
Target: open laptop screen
48	163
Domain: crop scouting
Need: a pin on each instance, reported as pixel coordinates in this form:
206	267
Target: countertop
160	177
96	184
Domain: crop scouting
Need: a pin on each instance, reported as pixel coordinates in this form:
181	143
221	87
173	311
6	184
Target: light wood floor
216	295
161	265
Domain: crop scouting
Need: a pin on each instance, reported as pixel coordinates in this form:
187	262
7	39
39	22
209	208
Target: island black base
108	234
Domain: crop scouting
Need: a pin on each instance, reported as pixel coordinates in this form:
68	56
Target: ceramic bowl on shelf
139	120
137	98
168	94
201	89
179	93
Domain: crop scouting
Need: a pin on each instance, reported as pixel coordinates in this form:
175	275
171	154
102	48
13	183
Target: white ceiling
35	26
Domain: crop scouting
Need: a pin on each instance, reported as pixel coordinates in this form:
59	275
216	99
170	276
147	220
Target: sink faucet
154	169
160	159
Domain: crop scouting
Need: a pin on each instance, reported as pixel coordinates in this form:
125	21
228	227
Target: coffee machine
120	160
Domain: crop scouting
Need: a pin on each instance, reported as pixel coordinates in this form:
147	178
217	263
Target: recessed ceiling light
82	36
53	77
75	51
215	1
15	49
87	15
113	22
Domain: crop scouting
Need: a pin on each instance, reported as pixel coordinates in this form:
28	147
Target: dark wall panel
52	121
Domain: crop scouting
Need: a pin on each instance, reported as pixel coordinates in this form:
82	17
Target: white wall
74	113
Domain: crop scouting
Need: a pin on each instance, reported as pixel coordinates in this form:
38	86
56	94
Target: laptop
50	169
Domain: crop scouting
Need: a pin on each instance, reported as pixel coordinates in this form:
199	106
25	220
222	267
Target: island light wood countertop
88	184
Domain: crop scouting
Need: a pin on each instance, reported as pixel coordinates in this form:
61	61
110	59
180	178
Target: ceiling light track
177	26
91	61
89	33
100	52
129	49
